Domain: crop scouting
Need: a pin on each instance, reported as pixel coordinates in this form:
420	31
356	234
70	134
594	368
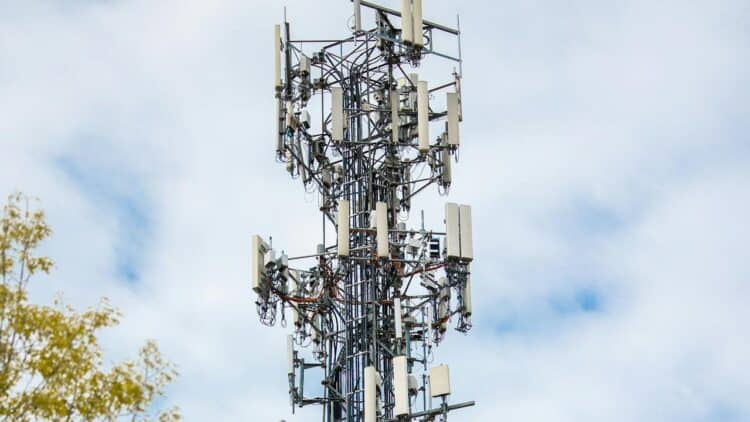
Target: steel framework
372	306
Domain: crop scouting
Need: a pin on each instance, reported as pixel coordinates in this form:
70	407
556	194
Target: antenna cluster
367	312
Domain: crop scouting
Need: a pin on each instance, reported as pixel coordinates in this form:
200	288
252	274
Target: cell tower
372	305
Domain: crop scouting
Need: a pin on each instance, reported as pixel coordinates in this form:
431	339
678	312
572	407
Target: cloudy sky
605	151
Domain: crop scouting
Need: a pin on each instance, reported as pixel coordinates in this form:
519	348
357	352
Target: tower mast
371	305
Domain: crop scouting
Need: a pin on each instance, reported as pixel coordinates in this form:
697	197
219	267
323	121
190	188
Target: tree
51	364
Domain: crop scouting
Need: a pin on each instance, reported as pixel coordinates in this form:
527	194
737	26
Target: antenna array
373	306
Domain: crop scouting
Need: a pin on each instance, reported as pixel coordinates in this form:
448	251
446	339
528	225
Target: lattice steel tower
371	307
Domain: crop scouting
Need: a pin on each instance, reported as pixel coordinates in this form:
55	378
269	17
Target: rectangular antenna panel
258	265
413	384
279	127
304	119
337	114
304	65
452	235
423	116
407	23
371	386
395	119
343	227
277	56
301	155
460	103
314	334
290	115
290	354
466	294
453	138
269	259
467	251
397	317
401	386
418	23
381	216
447	177
440	384
357	16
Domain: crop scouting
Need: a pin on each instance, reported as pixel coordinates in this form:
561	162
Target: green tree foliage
51	364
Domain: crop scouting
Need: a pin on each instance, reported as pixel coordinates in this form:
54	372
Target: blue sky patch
115	190
583	300
587	218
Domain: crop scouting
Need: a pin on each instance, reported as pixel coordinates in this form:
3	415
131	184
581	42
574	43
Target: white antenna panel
397	317
452	234
314	334
343	227
304	65
440	383
381	216
467	250
395	119
290	354
277	56
447	176
423	116
407	24
453	117
257	264
371	396
401	386
466	294
357	16
337	114
418	23
279	127
290	115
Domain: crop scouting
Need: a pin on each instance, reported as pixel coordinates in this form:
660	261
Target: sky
604	151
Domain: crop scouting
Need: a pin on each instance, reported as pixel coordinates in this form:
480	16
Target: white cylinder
423	116
418	23
395	119
343	227
337	114
371	395
381	215
407	24
277	56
